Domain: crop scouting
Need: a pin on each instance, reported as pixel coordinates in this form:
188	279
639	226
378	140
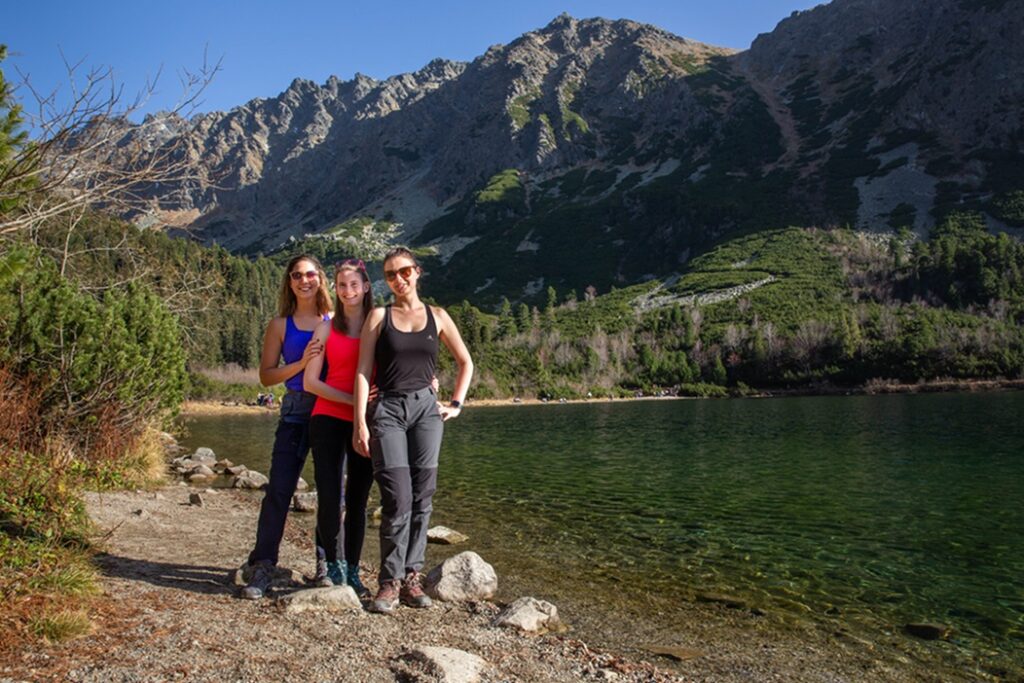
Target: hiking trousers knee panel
405	442
291	444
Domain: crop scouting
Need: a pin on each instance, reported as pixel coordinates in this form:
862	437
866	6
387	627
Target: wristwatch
456	404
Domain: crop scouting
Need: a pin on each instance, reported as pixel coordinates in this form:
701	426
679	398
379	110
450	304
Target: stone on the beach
195	499
461	578
676	652
727	600
250	479
235	470
304	502
301	485
141	513
445	536
199	478
444	664
531	616
331	599
204	455
222	465
281	577
928	631
202	470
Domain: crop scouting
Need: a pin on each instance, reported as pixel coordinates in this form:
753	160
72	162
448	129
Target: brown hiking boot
412	591
386	599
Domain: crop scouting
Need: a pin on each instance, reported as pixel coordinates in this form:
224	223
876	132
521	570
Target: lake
861	513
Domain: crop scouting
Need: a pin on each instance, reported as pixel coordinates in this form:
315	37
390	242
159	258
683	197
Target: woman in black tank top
401	430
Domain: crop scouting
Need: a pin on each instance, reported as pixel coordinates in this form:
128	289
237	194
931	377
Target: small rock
250	479
203	470
445	536
195	499
676	652
329	599
159	496
205	456
304	502
143	514
929	631
463	577
211	492
727	600
222	464
301	485
199	477
235	470
530	615
447	664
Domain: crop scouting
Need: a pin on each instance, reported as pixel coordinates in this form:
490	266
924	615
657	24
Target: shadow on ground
198	579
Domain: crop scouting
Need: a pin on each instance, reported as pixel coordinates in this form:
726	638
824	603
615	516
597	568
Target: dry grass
232	373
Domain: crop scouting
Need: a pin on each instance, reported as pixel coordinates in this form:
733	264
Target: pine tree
13	144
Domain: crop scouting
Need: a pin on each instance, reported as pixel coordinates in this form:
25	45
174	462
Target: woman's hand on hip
447	411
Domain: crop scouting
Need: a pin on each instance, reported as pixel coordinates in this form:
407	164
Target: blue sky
265	45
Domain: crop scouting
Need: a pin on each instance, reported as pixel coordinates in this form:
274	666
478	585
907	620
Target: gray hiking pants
405	441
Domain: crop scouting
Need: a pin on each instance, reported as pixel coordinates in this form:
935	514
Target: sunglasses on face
299	275
404	272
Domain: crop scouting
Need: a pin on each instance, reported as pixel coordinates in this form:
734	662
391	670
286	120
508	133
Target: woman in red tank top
330	432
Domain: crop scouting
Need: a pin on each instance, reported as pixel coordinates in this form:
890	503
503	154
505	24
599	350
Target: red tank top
342	356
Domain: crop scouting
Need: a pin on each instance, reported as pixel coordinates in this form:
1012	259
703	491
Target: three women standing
402	429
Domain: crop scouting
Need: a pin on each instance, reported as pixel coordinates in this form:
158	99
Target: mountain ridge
631	141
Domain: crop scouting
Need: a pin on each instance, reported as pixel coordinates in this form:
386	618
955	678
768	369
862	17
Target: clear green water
865	512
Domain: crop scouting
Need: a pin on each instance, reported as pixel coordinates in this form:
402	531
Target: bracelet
456	404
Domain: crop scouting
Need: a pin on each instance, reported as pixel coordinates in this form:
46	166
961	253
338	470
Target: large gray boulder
461	578
531	616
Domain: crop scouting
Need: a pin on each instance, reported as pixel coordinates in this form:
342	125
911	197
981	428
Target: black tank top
406	361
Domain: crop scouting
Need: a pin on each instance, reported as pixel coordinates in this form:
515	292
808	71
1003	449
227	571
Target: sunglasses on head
307	275
351	263
404	271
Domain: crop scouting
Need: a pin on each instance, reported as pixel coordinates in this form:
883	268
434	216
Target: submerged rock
676	652
530	615
928	631
463	577
446	664
445	536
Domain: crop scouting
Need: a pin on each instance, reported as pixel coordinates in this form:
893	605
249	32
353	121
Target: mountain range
603	153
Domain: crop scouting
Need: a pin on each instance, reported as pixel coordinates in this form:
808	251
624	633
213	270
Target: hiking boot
386	599
412	591
352	579
260	577
336	571
321	579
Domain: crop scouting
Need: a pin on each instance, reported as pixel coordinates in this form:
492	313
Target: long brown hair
357	266
286	301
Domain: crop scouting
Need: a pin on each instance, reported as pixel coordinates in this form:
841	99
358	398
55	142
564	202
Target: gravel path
170	613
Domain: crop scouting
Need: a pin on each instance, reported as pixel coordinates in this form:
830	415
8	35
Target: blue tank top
295	342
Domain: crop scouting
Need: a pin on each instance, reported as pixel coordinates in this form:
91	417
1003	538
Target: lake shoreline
215	407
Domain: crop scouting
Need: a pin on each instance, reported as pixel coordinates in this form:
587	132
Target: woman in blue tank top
401	430
303	303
